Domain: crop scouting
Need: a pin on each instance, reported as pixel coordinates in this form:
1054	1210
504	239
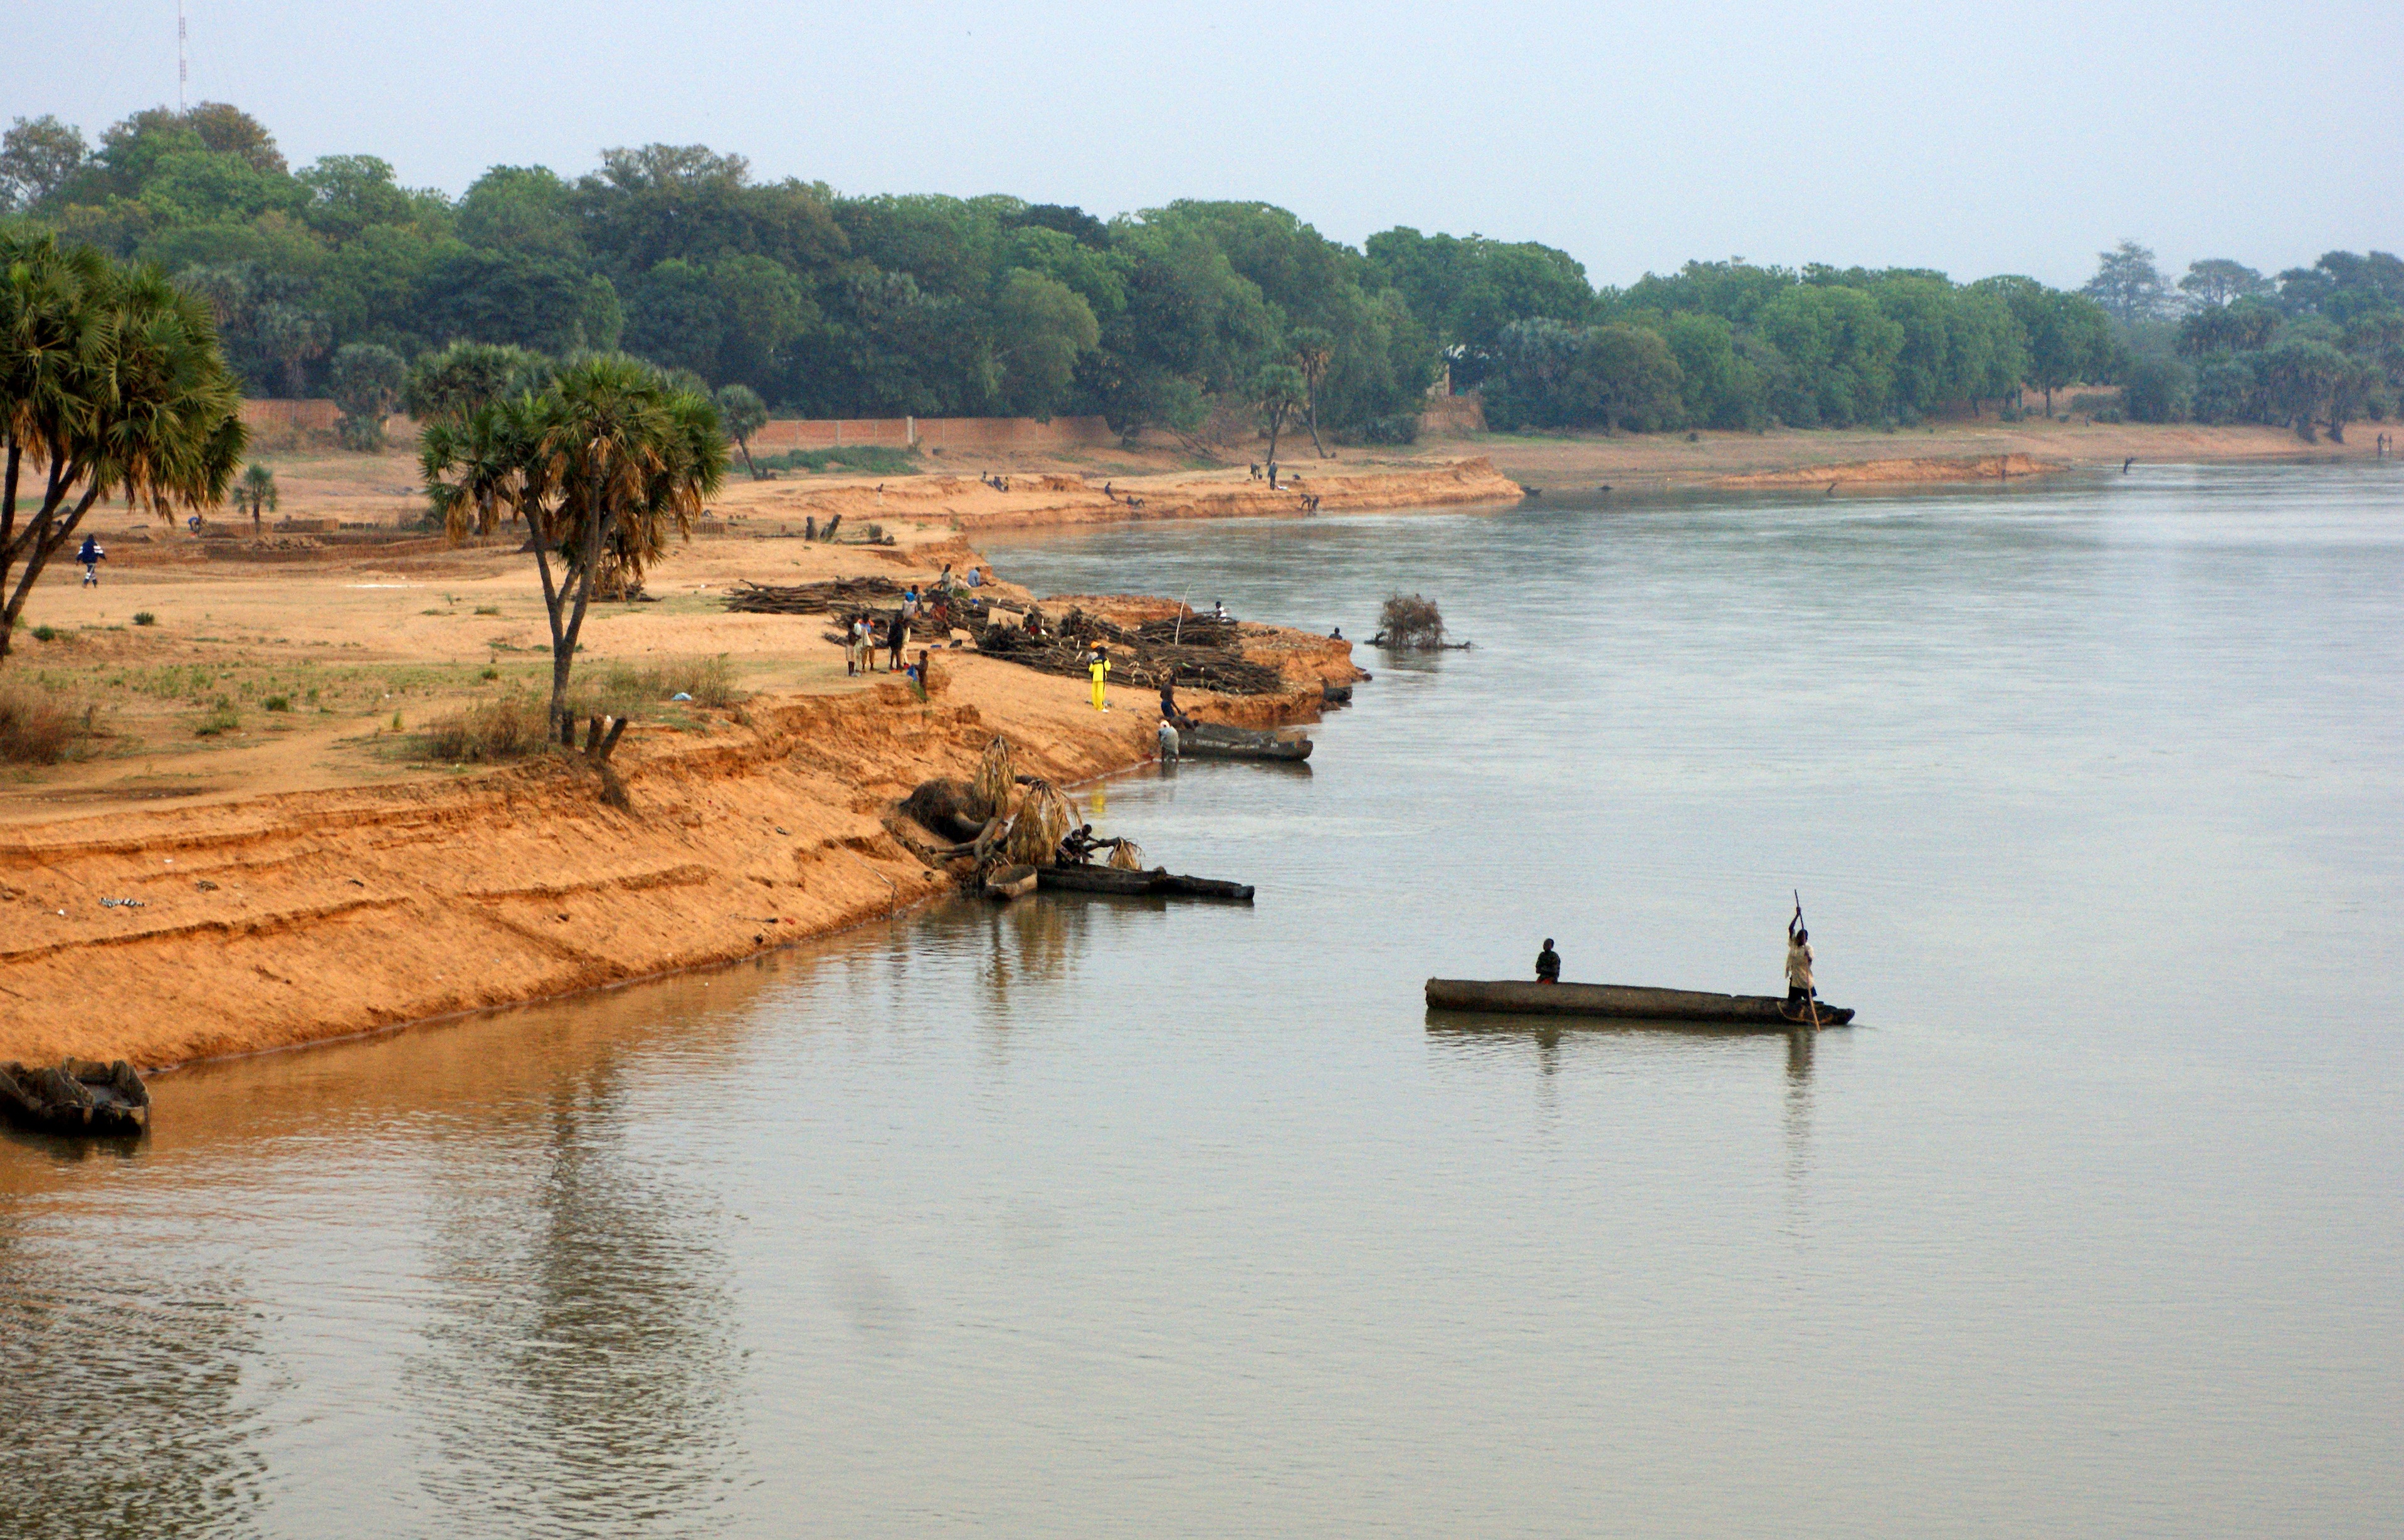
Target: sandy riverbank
310	873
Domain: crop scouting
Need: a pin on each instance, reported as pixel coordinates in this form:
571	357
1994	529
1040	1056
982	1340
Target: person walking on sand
91	556
896	633
851	647
1549	964
1097	665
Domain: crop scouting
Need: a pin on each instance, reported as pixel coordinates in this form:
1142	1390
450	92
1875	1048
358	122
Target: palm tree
255	491
111	383
603	464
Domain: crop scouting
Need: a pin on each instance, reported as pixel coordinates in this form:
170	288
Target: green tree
347	193
1632	377
2306	380
1277	391
291	335
2217	280
38	156
366	382
2069	335
2157	388
451	383
522	208
110	384
256	492
1314	353
604	466
1041	328
548	304
744	413
2128	285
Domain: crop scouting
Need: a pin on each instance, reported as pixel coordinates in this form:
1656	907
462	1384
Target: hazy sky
2015	135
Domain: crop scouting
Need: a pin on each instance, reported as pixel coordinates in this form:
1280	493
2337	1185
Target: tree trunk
41	538
745	446
1310	415
1277	421
2049	401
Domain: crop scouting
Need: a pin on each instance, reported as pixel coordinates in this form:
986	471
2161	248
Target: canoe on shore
1159	880
1208	740
1520	997
80	1097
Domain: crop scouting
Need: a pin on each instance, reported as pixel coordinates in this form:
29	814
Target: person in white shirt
1798	961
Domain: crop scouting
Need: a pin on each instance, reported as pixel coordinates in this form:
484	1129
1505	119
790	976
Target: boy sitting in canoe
1549	964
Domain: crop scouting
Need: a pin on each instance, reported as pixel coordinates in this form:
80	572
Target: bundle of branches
996	780
1410	622
1044	817
1133	663
1128	856
809	598
1192	631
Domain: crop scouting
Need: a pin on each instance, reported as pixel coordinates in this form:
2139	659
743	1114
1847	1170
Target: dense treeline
2313	349
334	279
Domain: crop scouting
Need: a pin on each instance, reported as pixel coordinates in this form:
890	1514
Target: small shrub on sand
1411	621
622	690
277	703
38	728
222	717
506	728
144	617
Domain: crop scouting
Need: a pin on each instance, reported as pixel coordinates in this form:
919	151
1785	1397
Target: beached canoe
1520	997
1208	740
79	1097
1010	882
1159	880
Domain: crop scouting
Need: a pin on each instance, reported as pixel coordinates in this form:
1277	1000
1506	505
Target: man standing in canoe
1798	960
1549	964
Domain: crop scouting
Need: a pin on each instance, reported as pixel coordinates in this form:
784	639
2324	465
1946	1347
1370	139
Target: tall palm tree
604	464
111	383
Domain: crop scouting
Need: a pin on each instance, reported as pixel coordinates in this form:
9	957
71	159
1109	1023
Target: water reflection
129	1386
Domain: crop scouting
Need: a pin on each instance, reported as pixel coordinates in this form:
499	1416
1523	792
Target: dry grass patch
40	727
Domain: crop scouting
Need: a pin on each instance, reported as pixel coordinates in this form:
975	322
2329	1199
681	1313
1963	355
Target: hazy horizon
1975	142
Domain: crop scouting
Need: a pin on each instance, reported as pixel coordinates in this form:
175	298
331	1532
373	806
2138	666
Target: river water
1123	1219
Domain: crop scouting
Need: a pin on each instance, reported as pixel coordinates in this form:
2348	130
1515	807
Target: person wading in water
1549	964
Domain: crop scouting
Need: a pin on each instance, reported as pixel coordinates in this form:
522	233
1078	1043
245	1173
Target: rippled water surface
1120	1218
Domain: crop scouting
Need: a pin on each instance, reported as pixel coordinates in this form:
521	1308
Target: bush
144	617
506	728
37	728
1403	428
46	633
277	703
1410	620
866	460
222	717
2158	390
622	690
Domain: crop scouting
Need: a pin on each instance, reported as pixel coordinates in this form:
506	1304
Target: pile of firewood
810	598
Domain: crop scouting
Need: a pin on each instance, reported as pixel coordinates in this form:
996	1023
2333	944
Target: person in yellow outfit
1097	663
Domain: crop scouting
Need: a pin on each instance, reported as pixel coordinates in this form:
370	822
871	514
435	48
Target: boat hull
1517	997
78	1099
1110	879
1211	741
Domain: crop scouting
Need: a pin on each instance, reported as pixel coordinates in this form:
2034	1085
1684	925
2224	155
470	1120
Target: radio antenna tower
183	72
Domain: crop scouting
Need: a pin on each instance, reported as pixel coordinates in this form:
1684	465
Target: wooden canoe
80	1097
1517	996
1010	882
1208	740
1159	880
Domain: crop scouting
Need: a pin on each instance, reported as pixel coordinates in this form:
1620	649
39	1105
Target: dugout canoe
1159	880
1518	996
81	1097
1208	740
1010	882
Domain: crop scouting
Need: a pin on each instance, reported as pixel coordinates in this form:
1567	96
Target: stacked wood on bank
810	598
1142	657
